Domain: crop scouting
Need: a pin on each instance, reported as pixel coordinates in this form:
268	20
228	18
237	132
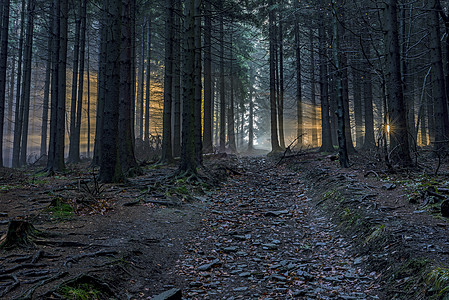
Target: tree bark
342	143
208	96
4	9
326	145
125	129
74	156
167	154
396	106
188	158
438	84
110	170
299	109
26	87
18	116
44	126
273	107
177	81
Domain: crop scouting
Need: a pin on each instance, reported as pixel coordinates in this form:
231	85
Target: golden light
388	128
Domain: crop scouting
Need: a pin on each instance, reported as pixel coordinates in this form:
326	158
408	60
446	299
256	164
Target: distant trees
244	74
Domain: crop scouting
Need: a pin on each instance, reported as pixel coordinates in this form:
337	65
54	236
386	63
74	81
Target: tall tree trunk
177	81
231	118
188	158
358	108
281	81
74	156
142	84
273	107
396	106
222	88
148	85
4	10
44	126
439	90
208	96
251	111
26	87
125	130
369	141
342	143
198	83
101	90
167	154
326	145
110	170
299	113
314	141
79	106
18	116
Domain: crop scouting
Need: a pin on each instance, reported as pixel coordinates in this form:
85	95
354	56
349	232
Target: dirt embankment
393	220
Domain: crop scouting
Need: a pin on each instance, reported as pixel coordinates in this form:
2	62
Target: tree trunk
74	156
358	108
188	158
231	118
142	84
79	106
314	141
4	9
326	145
281	81
396	106
125	130
369	141
251	111
198	83
208	96
299	113
148	85
110	170
18	116
167	155
273	107
342	143
439	91
222	89
26	87
44	126
177	82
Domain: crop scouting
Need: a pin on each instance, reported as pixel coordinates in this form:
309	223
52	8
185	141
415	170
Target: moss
60	210
82	291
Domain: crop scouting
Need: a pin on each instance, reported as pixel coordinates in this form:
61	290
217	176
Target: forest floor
270	228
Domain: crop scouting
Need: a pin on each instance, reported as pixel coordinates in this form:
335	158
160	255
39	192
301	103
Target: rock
240	289
270	246
388	186
276	213
208	266
173	294
445	208
245	274
230	249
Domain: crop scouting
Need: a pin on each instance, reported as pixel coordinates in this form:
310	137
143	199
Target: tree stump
20	234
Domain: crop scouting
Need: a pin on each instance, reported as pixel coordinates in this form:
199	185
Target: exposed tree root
29	294
76	258
9	286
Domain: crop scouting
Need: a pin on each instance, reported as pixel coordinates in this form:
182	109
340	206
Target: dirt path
260	239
